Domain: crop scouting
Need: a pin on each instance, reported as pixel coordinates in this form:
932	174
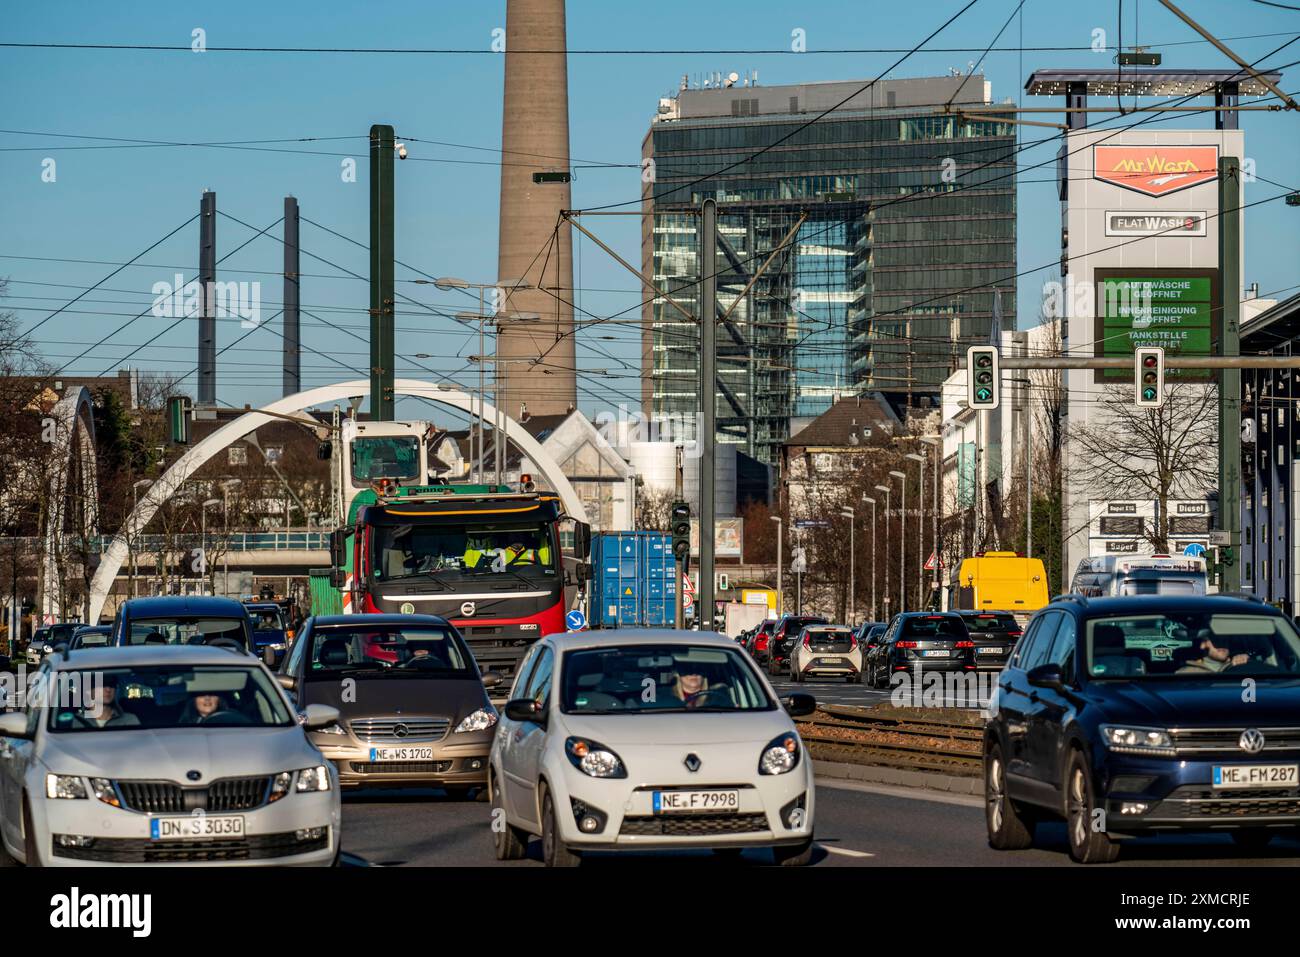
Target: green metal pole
1230	379
381	273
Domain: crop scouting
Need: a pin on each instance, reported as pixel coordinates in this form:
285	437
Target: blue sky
109	204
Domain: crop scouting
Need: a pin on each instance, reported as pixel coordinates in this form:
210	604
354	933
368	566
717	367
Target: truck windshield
403	551
388	456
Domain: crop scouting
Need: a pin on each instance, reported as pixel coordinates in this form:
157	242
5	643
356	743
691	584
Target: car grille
1199	802
118	850
690	824
385	729
1206	740
399	767
166	797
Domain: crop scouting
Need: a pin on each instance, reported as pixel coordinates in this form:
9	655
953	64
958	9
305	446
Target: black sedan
922	642
995	633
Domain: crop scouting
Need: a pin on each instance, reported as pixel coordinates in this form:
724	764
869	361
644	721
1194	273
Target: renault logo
1251	741
400	730
467	608
692	763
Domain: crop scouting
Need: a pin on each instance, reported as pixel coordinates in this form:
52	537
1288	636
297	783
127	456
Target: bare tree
653	508
1161	453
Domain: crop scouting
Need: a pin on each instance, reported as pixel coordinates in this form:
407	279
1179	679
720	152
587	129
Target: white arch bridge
195	457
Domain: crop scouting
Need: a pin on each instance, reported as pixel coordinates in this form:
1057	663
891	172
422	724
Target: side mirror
14	726
524	709
491	679
338	548
319	716
287	682
581	540
324	451
799	704
272	657
59	647
338	576
583	572
1046	676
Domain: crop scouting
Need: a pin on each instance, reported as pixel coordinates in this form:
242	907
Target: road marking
847	852
890	790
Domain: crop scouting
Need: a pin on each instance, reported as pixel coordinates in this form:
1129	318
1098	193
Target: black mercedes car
1127	716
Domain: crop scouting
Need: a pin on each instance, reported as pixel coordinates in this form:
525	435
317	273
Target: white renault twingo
633	740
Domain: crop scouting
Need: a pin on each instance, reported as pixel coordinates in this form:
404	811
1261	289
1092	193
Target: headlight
280	786
594	759
105	791
64	786
1138	740
313	779
780	755
480	720
47	649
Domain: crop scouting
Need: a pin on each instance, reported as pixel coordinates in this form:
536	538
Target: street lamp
135	528
902	537
872	502
920	527
226	486
887	490
203	535
780	525
852	609
937	445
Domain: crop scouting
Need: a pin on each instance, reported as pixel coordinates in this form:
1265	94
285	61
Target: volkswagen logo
400	730
408	608
193	775
692	762
1251	741
467	608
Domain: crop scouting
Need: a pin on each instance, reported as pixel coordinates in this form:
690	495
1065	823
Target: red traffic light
1149	361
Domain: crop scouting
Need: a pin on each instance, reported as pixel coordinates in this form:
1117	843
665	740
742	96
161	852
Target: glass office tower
847	250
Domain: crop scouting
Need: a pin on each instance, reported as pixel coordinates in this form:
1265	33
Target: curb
876	774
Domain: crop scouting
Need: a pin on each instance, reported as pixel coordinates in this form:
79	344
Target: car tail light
905	644
760	644
807	641
963	644
853	643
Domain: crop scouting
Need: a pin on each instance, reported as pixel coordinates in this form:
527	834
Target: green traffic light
983	395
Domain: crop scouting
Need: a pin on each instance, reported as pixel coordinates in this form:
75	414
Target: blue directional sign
575	620
1194	550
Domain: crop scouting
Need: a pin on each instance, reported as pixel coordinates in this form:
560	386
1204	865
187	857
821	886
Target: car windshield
394	457
641	679
165	696
91	639
404	551
404	649
267	619
935	626
1192	645
184	631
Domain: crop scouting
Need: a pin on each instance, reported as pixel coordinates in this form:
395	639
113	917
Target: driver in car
1213	658
202	707
690	687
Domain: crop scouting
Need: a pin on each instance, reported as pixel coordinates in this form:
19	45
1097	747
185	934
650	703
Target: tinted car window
186	631
934	626
1061	651
417	649
539	683
1190	645
991	624
1033	646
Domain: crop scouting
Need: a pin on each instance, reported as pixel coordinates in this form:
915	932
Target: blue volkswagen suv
1127	716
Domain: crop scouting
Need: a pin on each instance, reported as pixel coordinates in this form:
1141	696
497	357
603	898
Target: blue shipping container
634	580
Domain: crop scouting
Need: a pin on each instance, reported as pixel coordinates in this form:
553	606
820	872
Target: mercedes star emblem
692	763
400	730
467	609
1251	741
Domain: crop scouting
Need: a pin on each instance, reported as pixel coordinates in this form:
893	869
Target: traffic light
178	418
1149	377
681	526
983	377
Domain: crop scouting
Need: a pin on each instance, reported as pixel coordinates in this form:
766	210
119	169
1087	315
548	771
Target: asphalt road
858	825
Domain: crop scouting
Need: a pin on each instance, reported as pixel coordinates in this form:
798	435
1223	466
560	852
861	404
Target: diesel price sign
1172	309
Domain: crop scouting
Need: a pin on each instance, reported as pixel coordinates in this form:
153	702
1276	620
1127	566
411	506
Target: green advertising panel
1172	308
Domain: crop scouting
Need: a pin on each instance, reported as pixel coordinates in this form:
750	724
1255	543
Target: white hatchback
167	755
632	740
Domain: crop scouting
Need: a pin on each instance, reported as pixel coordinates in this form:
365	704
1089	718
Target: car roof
326	621
603	638
184	606
261	604
1158	604
135	656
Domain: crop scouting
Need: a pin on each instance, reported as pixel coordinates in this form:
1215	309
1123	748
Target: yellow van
1000	581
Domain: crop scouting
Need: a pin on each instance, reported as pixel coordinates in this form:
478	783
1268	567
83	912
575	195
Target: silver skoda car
164	755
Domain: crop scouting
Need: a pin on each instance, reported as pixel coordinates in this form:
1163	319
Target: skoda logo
467	608
193	775
408	608
1251	741
692	763
400	730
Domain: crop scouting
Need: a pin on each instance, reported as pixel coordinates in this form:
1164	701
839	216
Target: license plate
401	754
934	654
196	827
990	651
668	802
1255	775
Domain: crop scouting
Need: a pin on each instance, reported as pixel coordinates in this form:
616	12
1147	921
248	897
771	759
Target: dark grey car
414	709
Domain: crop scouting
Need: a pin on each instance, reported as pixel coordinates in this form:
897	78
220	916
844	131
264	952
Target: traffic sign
688	589
799	562
929	563
575	620
688	611
1194	550
1220	537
